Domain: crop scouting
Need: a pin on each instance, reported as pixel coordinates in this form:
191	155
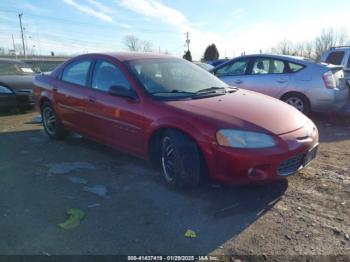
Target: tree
132	43
284	47
188	56
147	46
211	53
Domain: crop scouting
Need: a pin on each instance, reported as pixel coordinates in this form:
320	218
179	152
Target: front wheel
298	101
180	159
52	125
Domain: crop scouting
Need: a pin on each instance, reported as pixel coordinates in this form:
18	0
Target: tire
299	101
52	125
180	159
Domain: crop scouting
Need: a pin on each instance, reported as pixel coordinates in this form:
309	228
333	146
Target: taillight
329	80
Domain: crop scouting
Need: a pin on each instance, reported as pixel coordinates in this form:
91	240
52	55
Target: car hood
245	109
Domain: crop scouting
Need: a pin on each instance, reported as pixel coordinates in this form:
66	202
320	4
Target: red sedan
178	115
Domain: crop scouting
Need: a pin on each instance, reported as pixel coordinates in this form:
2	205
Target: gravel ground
129	210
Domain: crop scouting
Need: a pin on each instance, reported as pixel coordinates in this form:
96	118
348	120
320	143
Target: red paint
128	125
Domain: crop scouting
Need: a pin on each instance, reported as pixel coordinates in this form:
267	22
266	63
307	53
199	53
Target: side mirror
123	92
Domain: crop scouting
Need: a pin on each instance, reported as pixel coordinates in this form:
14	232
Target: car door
68	92
114	120
234	72
268	76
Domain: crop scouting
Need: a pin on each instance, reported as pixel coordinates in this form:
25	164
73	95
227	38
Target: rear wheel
180	159
298	101
52	125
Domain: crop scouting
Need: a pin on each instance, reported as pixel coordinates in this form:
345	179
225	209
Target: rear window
76	73
295	67
335	58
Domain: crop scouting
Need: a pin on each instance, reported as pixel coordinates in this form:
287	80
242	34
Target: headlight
244	139
5	90
310	128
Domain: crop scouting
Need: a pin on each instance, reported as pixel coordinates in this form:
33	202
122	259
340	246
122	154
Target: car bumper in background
25	98
337	101
8	101
253	166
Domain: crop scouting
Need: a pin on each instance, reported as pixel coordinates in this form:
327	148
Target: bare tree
312	49
284	47
303	49
132	43
147	46
309	49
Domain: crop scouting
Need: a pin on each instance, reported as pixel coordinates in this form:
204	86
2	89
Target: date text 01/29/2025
173	258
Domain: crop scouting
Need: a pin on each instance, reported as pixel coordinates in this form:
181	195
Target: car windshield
175	79
15	68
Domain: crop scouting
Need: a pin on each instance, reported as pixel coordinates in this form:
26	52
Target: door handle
92	99
281	80
238	81
54	89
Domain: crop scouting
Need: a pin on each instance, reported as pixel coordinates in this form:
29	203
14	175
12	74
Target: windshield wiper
173	91
212	89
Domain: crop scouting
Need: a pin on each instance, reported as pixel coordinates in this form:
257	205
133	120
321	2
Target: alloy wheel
168	159
296	102
49	120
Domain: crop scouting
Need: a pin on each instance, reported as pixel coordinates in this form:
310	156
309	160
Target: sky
81	26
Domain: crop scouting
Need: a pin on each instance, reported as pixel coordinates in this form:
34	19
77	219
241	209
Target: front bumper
8	101
247	166
25	98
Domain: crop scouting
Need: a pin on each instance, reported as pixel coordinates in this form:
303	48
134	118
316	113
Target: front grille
291	165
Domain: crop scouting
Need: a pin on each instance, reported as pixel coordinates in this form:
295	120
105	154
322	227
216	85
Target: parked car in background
16	84
205	66
170	111
306	85
339	56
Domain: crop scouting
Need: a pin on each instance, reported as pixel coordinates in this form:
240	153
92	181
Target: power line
79	23
20	24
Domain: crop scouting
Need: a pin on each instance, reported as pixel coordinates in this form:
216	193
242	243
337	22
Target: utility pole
14	47
188	42
20	24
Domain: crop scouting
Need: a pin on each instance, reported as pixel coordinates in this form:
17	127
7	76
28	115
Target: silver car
306	85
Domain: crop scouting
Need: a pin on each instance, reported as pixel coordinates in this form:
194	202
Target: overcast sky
72	26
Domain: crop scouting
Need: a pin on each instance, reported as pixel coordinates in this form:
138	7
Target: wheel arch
296	93
153	148
43	100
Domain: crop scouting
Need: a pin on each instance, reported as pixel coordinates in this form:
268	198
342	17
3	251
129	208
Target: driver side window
234	69
107	75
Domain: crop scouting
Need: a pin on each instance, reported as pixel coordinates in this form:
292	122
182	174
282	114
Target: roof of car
296	59
127	56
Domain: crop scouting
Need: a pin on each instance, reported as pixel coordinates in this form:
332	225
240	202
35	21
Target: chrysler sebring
176	114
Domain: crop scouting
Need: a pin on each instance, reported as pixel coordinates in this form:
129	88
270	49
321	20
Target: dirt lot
134	212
